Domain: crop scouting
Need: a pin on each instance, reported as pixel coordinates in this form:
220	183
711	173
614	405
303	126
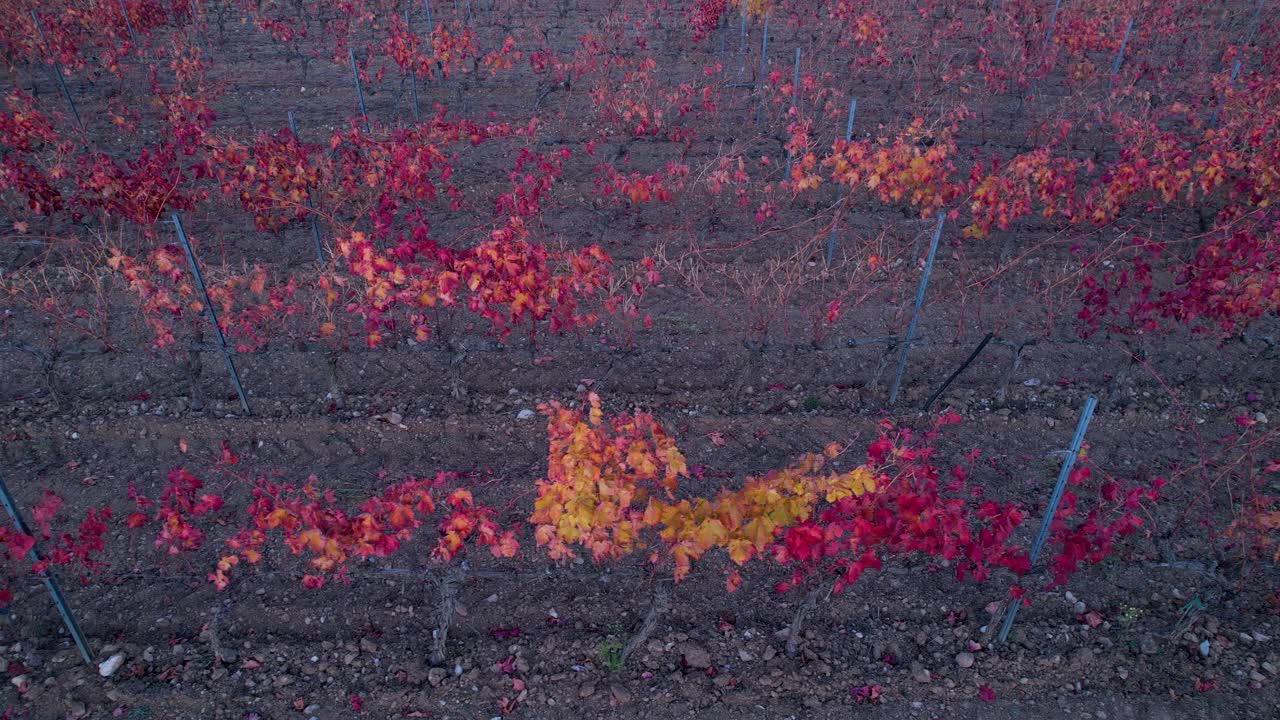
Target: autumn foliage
1134	177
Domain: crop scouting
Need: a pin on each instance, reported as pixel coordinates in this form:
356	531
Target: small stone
1256	676
921	674
436	675
78	709
965	660
745	655
1080	607
1204	648
1148	645
695	656
108	667
769	653
525	414
586	690
620	694
367	645
311	709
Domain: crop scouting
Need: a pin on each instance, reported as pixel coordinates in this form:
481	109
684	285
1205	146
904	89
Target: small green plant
610	654
1130	615
811	403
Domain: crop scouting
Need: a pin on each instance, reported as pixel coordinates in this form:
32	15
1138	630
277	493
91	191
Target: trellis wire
355	72
795	95
50	582
915	314
764	59
311	208
213	315
56	66
848	135
1068	462
1115	66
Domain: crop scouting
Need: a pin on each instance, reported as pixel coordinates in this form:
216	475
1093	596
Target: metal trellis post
1067	463
915	314
213	315
50	582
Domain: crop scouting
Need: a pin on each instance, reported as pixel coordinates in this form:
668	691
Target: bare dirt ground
268	649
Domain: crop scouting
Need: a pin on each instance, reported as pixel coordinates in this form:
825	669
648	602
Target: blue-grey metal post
431	29
848	135
311	208
764	59
50	582
1235	72
355	72
795	97
742	41
1235	67
1053	18
128	24
413	77
213	315
1067	463
1253	24
57	71
915	314
1115	66
204	45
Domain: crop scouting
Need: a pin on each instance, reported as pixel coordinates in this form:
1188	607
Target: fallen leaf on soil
866	693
